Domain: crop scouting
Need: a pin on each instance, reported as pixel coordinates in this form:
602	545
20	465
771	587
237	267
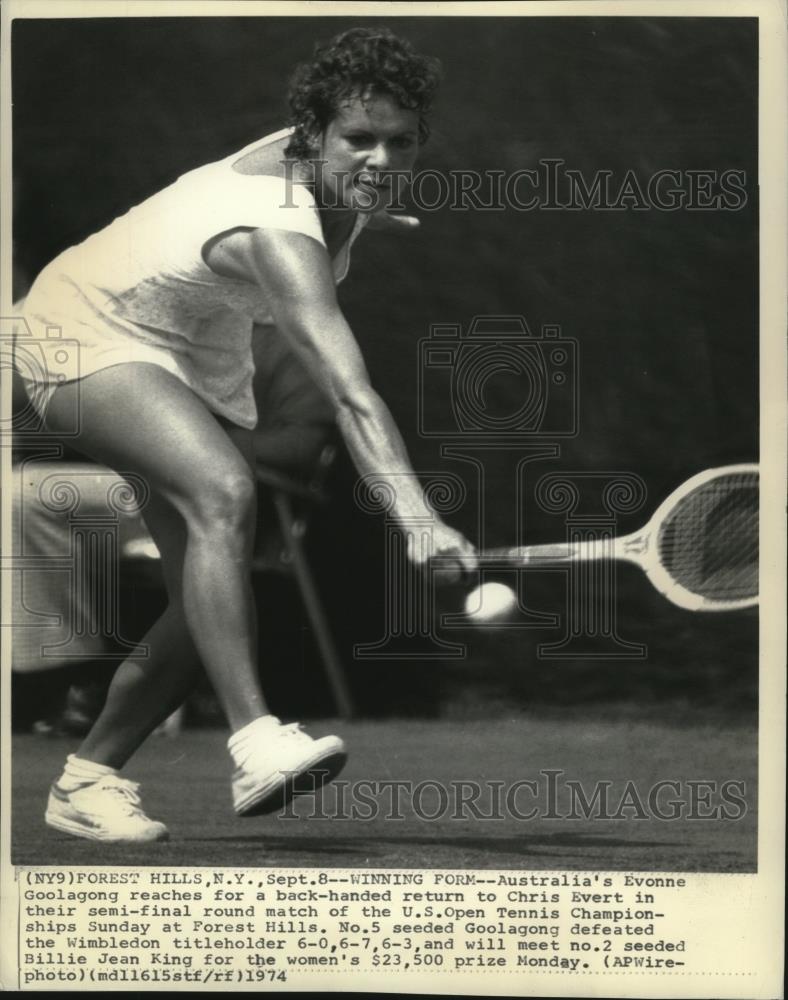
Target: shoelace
123	788
292	729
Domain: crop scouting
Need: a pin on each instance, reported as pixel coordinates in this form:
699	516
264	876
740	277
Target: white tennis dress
139	290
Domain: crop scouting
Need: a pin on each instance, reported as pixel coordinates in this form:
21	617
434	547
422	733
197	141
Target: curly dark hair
373	59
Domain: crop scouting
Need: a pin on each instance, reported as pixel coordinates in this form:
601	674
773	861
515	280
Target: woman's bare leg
145	690
137	418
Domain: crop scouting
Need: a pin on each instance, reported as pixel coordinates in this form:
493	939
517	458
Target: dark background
663	304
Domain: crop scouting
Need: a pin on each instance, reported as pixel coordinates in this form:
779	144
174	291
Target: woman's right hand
455	557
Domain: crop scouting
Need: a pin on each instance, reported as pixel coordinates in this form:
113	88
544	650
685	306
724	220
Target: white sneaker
290	763
107	810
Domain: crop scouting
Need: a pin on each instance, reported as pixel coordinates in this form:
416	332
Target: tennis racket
700	548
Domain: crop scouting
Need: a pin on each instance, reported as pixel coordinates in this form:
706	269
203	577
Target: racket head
702	541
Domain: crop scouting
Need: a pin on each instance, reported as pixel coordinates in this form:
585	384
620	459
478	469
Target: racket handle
550	555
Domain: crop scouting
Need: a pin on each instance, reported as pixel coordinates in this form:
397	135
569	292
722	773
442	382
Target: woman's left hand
386	222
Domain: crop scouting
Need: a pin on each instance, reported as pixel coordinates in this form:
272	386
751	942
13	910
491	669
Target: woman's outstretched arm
294	272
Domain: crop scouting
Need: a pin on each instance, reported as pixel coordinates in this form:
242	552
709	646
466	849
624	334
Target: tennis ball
489	602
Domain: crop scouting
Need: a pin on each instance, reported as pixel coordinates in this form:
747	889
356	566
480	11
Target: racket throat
633	548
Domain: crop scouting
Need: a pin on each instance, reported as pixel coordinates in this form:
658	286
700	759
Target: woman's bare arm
295	274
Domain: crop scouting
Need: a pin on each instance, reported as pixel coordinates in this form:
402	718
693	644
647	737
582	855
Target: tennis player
162	302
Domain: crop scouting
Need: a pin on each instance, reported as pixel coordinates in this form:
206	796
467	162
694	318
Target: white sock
78	773
245	741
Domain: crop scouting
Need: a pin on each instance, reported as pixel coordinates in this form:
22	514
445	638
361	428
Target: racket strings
709	541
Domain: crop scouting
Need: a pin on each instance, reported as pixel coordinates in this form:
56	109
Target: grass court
185	783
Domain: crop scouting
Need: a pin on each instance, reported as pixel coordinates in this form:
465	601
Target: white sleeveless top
139	290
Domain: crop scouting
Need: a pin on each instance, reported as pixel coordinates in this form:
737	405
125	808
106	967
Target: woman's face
367	151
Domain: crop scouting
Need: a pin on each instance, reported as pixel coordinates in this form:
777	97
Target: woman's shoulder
256	187
261	170
264	158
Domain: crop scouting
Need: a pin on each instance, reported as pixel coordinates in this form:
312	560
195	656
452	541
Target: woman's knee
224	499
